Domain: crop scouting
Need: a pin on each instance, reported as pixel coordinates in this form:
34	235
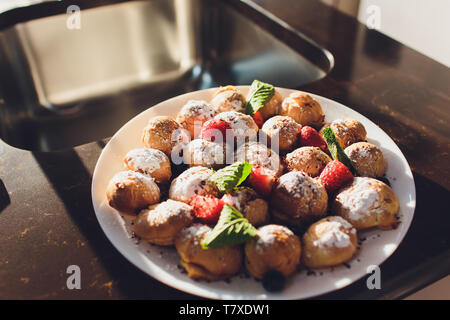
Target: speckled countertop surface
47	221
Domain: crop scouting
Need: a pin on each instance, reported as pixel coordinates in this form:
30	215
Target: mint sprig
231	229
260	93
336	151
231	176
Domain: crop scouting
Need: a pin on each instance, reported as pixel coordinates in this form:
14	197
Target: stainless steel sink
62	87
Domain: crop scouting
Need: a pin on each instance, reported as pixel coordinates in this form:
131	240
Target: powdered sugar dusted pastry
347	131
274	248
129	191
163	133
303	108
329	242
200	152
282	131
366	203
243	127
257	153
250	204
228	98
298	199
272	106
193	114
161	222
310	160
210	264
367	159
150	161
191	182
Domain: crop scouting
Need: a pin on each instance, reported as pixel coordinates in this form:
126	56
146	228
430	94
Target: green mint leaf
260	93
231	176
335	149
231	229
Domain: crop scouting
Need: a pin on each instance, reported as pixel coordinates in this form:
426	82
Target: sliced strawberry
262	179
258	118
207	208
335	175
215	130
310	137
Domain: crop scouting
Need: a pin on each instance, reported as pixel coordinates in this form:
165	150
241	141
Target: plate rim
177	285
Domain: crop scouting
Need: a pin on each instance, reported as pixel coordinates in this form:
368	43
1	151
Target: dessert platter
253	192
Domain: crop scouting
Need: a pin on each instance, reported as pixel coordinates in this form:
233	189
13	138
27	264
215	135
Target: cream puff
258	154
329	242
152	162
206	264
200	152
310	160
303	108
160	223
272	106
298	199
347	131
283	132
228	98
367	159
367	203
194	181
275	247
129	191
193	114
164	133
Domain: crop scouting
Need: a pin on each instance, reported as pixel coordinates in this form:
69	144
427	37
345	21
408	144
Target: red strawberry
262	179
207	208
258	118
310	137
334	175
212	129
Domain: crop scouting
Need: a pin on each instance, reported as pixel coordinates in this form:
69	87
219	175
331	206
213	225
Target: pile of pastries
299	224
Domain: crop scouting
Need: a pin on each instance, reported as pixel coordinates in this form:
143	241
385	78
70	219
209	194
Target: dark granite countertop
47	221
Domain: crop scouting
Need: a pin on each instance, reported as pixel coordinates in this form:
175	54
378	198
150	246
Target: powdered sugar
331	234
241	124
298	184
267	235
199	109
146	160
360	199
167	209
122	176
190	183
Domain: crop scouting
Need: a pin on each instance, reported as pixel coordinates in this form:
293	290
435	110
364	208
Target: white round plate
162	263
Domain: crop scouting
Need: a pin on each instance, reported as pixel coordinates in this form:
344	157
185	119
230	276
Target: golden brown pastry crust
329	242
298	199
250	204
193	114
160	223
282	132
206	264
303	108
258	154
367	159
200	152
228	98
190	183
271	108
150	161
129	191
310	160
163	133
274	248
347	131
367	203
